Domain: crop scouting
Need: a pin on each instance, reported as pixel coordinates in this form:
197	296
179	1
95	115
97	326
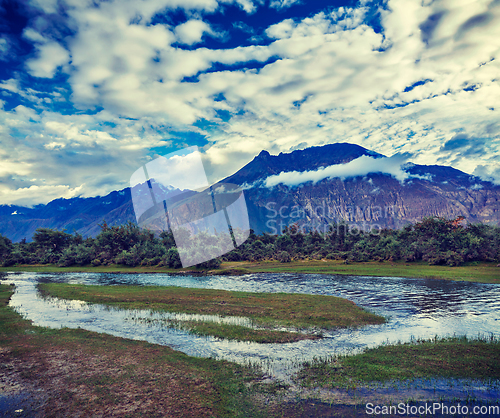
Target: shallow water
416	308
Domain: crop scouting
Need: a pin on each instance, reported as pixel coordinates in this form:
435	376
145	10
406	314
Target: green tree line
434	240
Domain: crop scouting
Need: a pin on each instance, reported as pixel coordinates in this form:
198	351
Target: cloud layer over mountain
359	167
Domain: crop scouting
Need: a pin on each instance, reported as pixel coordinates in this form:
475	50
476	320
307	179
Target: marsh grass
449	358
264	309
241	333
233	332
113	268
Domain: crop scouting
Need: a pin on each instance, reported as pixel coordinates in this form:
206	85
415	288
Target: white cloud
350	81
32	35
192	31
359	167
247	5
54	145
488	173
14	168
40	194
282	30
283	4
50	56
48	6
51	149
4	48
10	85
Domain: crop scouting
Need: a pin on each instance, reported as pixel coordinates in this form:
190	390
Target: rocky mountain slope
372	200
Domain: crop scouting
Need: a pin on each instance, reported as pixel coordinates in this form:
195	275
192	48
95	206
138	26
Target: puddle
417	308
21	404
418	390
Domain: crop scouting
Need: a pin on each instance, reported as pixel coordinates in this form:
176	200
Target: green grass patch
454	357
236	332
264	309
10	323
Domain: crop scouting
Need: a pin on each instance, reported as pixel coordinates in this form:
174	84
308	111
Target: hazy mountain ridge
374	199
80	214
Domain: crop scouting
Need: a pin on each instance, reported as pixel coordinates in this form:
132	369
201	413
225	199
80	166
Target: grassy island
266	310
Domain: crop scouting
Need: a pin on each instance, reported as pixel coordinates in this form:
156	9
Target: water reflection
416	308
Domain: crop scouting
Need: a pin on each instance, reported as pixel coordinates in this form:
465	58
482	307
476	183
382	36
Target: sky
92	90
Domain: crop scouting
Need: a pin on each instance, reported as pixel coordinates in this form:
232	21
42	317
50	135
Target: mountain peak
306	159
263	154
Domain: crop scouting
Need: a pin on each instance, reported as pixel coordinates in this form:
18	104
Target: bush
5	248
172	258
52	240
48	257
121	258
284	257
435	240
84	254
234	255
453	258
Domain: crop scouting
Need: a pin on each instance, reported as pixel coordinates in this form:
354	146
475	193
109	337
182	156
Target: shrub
172	258
5	248
284	257
453	258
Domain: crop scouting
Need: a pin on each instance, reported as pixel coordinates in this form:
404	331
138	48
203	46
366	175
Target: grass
264	309
453	357
89	374
473	272
231	331
240	333
10	323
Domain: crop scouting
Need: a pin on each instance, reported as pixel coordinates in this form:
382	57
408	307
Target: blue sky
91	90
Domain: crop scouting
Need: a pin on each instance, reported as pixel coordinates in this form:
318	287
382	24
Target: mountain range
310	187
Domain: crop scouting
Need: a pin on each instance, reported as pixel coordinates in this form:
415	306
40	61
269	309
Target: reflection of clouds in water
416	308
